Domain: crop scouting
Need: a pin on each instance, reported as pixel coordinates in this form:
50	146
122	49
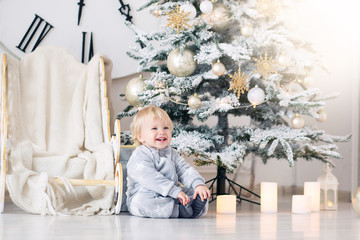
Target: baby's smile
161	139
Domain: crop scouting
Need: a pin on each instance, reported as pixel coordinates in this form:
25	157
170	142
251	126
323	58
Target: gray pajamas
153	182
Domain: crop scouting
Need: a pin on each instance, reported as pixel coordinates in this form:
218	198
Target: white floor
248	223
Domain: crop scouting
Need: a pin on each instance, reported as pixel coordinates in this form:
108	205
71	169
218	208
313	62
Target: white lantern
328	189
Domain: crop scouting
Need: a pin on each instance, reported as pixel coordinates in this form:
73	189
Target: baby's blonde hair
139	119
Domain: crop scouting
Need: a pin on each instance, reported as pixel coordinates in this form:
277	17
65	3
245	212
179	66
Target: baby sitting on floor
155	170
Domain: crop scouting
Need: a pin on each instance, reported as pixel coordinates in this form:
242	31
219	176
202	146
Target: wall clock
83	27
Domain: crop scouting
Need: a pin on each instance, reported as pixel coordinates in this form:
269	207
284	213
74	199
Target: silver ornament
247	30
256	96
220	17
206	6
132	90
181	64
297	122
194	101
218	68
356	200
322	116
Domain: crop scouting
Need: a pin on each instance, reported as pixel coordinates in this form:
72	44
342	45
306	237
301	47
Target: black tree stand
221	180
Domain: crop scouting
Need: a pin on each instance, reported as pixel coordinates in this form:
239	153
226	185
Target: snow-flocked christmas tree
227	58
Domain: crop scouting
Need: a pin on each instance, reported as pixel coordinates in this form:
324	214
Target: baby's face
155	133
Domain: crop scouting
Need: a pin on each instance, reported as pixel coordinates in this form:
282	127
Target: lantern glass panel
330	198
322	195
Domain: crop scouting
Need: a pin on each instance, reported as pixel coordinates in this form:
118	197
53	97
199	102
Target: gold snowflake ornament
268	8
177	19
265	66
238	83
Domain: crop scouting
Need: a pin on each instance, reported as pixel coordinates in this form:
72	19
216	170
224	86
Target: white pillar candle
301	204
312	189
268	199
226	204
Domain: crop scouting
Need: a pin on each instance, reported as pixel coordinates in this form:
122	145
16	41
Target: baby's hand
183	198
203	192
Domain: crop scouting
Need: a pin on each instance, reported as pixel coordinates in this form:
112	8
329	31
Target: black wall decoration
125	10
91	47
32	31
76	34
81	5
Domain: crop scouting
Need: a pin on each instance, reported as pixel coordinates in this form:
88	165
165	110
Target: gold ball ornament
297	122
322	116
355	200
181	64
132	90
220	17
218	68
194	101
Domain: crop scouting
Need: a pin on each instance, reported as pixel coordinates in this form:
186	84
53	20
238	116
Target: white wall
330	26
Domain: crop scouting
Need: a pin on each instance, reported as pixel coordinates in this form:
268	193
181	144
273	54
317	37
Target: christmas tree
230	58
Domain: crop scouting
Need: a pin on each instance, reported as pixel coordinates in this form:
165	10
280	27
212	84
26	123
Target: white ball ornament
256	96
247	30
322	116
189	8
297	122
218	68
132	90
194	101
181	64
206	6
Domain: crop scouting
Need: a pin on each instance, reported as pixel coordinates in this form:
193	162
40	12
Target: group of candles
307	203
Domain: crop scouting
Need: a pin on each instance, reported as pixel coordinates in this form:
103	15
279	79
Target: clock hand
125	10
81	4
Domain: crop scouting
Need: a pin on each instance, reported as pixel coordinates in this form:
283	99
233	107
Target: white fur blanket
55	129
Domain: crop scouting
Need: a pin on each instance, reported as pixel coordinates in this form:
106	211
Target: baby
155	170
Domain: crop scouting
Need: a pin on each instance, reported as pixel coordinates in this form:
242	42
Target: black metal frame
221	180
